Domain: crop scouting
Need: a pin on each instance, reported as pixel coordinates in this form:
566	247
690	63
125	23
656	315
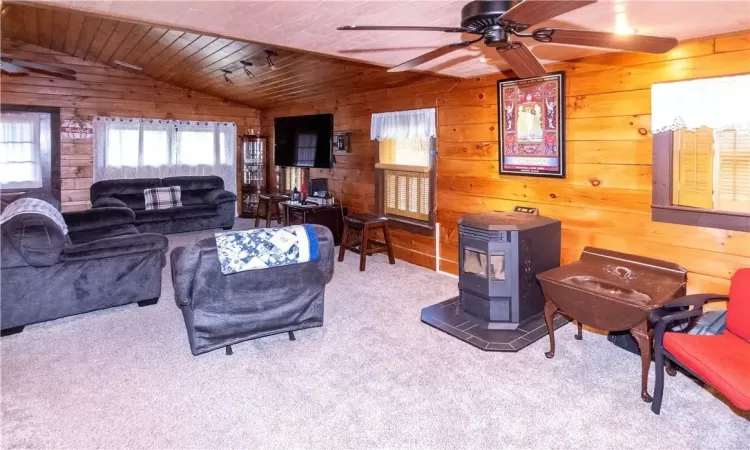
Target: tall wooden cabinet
253	174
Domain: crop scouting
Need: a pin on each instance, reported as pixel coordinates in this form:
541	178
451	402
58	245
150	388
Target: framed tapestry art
531	125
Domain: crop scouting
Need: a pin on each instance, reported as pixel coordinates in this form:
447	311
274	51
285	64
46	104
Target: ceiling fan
497	21
12	66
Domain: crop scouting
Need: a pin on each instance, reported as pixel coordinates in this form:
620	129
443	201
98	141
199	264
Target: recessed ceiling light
624	30
128	65
483	59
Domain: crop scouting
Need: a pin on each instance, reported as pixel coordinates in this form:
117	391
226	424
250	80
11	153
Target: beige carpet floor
373	377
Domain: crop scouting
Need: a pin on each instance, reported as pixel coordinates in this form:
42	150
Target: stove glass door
497	267
475	262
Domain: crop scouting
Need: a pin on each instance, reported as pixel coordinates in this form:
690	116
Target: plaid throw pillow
163	197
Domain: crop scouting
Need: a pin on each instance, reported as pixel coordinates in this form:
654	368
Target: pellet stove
500	303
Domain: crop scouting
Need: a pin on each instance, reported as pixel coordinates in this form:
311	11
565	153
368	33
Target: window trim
662	208
415	226
51	172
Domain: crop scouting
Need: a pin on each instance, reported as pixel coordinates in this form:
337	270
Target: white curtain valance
717	103
412	124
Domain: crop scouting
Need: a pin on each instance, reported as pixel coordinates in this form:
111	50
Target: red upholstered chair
723	361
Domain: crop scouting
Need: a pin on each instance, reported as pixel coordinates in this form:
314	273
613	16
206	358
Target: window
405	178
701	162
150	148
24	138
712	169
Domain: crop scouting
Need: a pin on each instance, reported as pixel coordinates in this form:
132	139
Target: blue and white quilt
266	247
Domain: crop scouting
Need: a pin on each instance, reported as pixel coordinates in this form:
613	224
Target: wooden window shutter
407	194
694	168
733	186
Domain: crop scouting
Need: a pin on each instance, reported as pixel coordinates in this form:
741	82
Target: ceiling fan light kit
496	22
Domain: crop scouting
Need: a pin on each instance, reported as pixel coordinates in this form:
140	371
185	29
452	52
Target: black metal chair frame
697	301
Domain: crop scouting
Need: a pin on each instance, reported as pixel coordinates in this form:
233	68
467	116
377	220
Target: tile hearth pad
448	316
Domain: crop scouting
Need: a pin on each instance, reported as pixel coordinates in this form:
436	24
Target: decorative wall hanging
531	125
342	141
76	129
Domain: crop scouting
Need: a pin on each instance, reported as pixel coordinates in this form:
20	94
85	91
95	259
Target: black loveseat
102	262
205	203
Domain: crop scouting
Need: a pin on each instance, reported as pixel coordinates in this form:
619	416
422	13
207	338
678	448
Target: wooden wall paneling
30	27
190	62
45	21
60	23
161	45
86	37
606	198
111	93
73	32
167	53
103	33
185	52
115	40
143	44
134	37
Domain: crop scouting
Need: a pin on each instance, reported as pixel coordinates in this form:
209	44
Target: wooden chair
356	237
270	205
723	361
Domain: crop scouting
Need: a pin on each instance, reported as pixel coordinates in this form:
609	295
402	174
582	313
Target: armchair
222	310
102	262
723	361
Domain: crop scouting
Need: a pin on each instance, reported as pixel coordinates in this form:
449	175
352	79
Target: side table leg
579	335
549	315
640	333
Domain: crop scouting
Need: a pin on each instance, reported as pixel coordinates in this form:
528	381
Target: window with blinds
406	189
712	169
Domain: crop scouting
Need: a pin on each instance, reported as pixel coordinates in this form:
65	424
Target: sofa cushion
738	314
187	212
194	188
129	191
154	215
163	197
723	361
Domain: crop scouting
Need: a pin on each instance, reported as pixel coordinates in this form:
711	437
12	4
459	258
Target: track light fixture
269	55
226	73
246	67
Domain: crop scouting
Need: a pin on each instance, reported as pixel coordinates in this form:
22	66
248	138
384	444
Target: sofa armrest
109	202
94	219
218	196
115	246
184	262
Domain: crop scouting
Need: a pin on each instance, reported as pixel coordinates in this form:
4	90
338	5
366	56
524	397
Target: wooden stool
270	203
361	242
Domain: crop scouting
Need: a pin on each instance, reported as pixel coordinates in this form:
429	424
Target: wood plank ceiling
196	61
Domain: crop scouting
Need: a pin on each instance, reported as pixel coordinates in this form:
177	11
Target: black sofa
102	262
205	203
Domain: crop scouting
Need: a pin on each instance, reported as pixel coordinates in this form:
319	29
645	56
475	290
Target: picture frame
531	126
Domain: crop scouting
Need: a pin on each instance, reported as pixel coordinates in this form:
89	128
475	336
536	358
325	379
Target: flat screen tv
304	141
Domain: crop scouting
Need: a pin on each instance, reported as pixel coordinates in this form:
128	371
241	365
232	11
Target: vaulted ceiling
311	25
195	60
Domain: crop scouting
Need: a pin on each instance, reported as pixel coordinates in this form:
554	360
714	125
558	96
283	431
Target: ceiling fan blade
402	28
530	12
628	42
44	68
429	56
522	61
12	69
